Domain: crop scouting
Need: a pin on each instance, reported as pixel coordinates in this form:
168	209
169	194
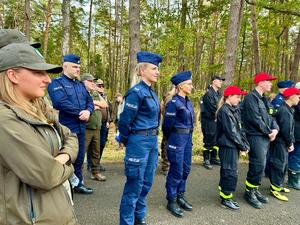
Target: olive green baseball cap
87	76
9	36
23	55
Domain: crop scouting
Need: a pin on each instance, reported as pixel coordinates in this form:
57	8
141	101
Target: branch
274	9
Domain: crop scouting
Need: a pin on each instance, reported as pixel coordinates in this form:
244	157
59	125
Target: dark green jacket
96	116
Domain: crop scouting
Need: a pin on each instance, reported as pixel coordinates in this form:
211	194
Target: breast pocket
150	105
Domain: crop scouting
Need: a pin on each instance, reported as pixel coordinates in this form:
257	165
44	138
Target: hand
107	125
84	115
291	148
62	158
96	107
273	134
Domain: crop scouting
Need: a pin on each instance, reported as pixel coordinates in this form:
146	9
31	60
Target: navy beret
285	84
72	58
180	77
149	57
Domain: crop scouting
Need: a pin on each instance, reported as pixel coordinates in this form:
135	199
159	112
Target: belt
182	130
147	132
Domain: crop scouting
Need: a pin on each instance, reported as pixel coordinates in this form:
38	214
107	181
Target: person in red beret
284	142
261	129
231	140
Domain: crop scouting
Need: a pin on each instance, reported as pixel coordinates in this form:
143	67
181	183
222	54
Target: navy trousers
179	152
140	164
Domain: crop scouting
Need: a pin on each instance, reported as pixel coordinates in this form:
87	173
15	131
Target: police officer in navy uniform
231	139
138	127
178	129
282	86
75	105
261	129
283	143
208	107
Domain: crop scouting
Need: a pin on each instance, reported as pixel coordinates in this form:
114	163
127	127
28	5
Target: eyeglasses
100	85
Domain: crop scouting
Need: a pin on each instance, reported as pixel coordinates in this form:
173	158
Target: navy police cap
149	57
285	84
72	58
180	77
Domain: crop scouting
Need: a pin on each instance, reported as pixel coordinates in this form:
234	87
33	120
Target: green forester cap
23	55
9	36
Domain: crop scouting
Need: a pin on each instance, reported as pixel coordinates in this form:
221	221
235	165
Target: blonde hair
9	95
139	67
220	104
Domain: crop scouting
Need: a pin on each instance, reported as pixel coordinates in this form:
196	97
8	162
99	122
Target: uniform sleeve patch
57	88
170	113
131	106
172	146
133	160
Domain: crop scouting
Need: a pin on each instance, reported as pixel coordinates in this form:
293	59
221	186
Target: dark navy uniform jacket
208	104
141	111
70	97
297	122
229	128
277	101
285	120
179	113
255	115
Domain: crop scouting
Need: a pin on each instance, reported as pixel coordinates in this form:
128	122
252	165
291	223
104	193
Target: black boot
214	157
294	179
251	198
140	222
206	160
230	204
260	197
174	208
183	203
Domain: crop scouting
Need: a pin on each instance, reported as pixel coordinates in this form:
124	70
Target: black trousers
278	163
228	172
209	130
259	146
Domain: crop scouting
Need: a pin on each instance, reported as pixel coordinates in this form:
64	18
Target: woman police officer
36	154
178	128
138	127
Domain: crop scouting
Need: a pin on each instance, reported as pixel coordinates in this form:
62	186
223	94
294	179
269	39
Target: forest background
233	38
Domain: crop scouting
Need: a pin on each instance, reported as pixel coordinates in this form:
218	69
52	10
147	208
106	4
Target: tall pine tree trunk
134	37
66	27
295	65
47	26
181	43
255	42
27	20
234	27
89	38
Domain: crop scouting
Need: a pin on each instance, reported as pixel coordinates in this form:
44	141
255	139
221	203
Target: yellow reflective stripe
225	196
271	111
250	185
219	187
275	188
216	148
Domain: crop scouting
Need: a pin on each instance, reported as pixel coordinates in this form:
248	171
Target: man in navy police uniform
75	105
282	86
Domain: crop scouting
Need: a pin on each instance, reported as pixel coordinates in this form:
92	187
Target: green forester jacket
31	190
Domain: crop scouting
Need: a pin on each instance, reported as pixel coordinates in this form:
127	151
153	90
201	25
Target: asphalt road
102	207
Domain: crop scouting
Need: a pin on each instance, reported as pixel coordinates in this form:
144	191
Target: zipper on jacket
31	209
50	142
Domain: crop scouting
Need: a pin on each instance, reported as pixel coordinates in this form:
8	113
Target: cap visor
35	44
243	93
50	68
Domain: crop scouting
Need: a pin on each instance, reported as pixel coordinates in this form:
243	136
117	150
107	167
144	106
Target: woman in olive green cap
35	155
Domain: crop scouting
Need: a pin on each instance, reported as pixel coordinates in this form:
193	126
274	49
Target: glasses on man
100	85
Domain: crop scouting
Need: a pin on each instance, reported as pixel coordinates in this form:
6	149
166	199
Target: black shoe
207	164
230	204
183	203
140	222
102	168
215	161
83	190
252	199
174	208
260	197
236	204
